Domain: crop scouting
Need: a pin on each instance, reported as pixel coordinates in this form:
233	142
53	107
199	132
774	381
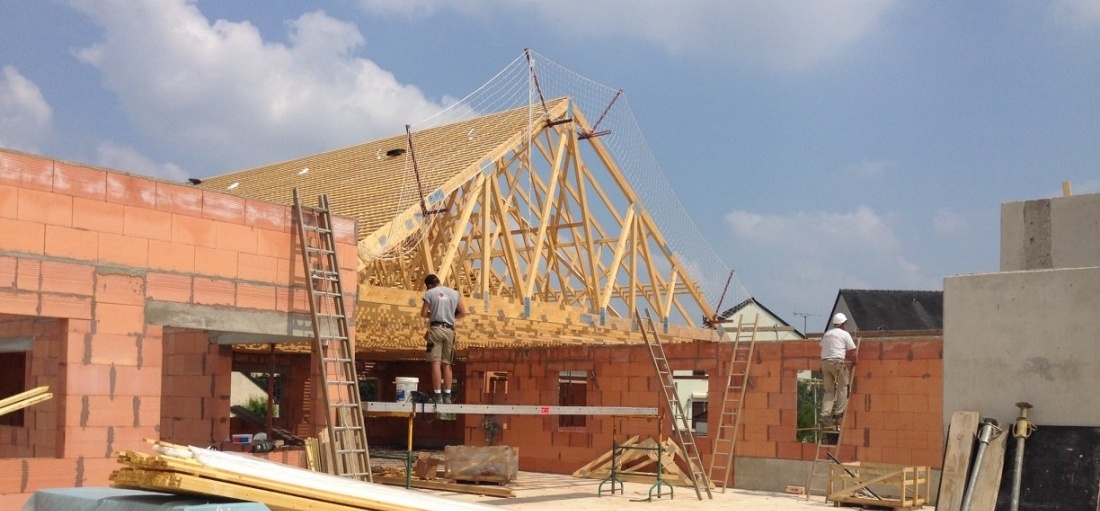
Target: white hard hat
839	318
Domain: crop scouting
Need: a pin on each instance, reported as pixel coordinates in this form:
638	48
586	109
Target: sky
818	145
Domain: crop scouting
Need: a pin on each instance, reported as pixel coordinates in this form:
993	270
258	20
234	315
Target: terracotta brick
235	237
930	350
275	244
8	266
171	288
106	411
98	216
120	289
18	302
79	181
26	237
26	171
183	200
67	278
171	256
257	268
219	206
251	296
266	215
899	350
344	230
147	223
28	275
214	291
131	191
119	319
84	380
193	231
68	243
120	350
215	262
9	201
123	250
66	306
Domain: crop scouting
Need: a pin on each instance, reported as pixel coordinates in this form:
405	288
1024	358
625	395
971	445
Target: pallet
901	488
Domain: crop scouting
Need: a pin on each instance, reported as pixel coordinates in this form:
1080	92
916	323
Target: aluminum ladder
679	419
733	401
332	346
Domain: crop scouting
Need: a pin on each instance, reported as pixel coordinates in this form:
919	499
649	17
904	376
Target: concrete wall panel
1023	336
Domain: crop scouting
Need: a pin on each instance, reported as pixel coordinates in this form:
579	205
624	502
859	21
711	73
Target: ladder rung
318	250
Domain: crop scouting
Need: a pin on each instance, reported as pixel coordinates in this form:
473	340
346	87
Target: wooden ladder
733	401
680	423
332	343
825	452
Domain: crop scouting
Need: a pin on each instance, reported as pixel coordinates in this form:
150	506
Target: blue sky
818	145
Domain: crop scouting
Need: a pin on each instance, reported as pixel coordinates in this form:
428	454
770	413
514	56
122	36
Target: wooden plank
956	459
473	489
989	476
602	461
23	395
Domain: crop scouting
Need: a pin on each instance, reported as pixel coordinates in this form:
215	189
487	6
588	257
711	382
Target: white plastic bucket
405	387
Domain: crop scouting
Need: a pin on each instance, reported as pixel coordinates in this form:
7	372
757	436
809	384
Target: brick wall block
179	199
264	215
262	268
193	231
131	190
45	207
28	275
123	250
120	289
214	291
119	319
69	243
79	181
26	237
9	201
169	288
146	223
26	171
171	256
226	208
98	216
67	278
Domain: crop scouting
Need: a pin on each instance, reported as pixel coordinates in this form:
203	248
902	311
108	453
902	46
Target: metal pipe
985	432
1021	431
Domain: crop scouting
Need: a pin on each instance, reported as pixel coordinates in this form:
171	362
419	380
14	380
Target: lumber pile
194	470
24	399
636	461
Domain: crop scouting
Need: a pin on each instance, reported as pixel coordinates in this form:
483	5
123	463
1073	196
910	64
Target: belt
834	359
444	325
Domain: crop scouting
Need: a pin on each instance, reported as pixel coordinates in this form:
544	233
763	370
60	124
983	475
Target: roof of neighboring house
773	319
894	310
374	181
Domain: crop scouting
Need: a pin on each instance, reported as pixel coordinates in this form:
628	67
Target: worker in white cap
837	347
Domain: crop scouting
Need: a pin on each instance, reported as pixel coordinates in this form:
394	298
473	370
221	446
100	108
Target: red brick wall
894	416
92	248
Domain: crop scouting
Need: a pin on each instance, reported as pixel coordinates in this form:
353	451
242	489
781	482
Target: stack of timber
879	485
195	470
24	399
636	461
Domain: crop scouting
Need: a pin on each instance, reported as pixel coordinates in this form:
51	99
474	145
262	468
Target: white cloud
784	35
127	159
808	256
1082	13
218	92
25	115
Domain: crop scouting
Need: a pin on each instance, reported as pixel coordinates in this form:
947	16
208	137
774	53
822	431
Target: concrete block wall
96	249
895	411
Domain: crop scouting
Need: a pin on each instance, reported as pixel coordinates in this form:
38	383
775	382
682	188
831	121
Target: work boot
838	418
438	398
446	398
826	420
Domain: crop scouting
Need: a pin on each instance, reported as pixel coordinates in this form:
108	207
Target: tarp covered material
117	499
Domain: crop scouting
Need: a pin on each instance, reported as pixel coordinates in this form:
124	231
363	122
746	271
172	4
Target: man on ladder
837	348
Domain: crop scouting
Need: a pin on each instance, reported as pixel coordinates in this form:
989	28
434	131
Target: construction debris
195	470
637	462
